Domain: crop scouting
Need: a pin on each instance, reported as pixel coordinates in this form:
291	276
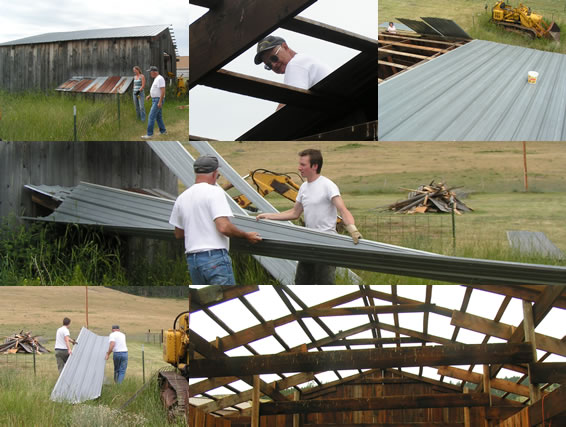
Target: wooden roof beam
364	359
216	294
226	31
525	292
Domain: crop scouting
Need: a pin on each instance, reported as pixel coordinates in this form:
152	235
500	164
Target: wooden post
466	411
188	323
525	164
86	305
296	417
255	402
487	382
529	327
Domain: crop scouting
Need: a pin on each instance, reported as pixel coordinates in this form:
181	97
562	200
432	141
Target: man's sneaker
164	133
147	136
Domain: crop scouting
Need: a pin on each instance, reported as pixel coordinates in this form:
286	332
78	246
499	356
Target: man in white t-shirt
300	70
63	342
118	346
201	216
319	198
157	95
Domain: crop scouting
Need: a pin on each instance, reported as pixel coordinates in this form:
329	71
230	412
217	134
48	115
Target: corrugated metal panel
398	26
420	27
104	33
83	374
477	92
243	187
180	162
56	192
533	243
447	27
110	84
135	213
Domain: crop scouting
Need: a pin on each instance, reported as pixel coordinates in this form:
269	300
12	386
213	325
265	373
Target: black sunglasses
272	59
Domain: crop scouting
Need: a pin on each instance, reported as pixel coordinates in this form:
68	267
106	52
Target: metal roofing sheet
399	26
180	162
104	33
81	378
109	84
533	242
419	26
477	92
56	192
132	212
447	27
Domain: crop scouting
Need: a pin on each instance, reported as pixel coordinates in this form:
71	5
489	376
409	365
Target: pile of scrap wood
22	343
430	198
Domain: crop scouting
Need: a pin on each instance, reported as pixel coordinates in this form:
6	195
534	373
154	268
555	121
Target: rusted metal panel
110	84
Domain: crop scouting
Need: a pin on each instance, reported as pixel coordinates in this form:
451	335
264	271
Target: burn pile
430	198
23	342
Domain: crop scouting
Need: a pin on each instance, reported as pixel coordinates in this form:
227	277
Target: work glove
137	93
356	235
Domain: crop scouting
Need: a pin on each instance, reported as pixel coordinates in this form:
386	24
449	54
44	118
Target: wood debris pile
430	198
22	343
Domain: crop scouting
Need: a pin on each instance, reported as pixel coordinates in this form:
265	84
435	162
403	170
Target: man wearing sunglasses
300	70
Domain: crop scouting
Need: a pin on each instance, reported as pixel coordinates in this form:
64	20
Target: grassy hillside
472	16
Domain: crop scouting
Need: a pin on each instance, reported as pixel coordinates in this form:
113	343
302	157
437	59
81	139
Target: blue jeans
211	268
155	114
120	365
139	104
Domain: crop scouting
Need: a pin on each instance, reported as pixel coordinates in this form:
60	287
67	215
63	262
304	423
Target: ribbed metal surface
56	192
135	213
533	243
110	84
447	27
477	92
105	33
83	374
419	27
398	26
180	162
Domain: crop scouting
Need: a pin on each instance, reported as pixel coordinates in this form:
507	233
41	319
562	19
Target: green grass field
471	15
49	117
24	396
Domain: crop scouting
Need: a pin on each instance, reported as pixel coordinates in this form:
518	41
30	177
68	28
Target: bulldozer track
174	392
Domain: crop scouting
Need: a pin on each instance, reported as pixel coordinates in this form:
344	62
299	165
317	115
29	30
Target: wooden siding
116	164
45	66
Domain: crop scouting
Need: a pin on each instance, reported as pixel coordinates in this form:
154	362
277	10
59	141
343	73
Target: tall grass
24	401
38	116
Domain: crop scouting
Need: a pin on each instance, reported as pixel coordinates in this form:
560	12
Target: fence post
34	350
75	122
118	99
143	364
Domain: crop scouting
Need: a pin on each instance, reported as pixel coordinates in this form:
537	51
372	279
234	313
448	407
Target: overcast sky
270	306
26	18
240	113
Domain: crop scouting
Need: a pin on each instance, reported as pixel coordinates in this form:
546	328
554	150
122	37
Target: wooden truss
534	397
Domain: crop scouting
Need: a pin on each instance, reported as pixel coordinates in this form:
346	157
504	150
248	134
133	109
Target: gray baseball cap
153	68
205	164
115	327
267	43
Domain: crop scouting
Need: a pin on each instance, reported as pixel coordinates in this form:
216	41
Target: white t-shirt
158	83
120	341
316	198
195	211
304	72
60	343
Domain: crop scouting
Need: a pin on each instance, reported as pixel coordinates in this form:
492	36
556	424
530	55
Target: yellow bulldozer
522	20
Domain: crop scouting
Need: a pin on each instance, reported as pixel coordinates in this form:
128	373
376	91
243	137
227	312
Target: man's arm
68	344
110	349
348	219
179	233
293	213
225	226
161	96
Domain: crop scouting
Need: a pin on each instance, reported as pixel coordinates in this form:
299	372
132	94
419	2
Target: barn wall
45	66
115	164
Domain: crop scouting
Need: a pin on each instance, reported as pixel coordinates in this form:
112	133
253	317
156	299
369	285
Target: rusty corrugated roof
107	84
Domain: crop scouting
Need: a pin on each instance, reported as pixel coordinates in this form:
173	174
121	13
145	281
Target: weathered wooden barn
45	61
391	366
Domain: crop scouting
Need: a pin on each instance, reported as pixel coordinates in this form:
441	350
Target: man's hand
262	216
106	357
147	97
356	235
70	352
253	237
159	104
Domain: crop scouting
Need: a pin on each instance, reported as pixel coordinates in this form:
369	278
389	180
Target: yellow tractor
522	20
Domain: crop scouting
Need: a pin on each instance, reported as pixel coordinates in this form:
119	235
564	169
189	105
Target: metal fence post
143	364
75	122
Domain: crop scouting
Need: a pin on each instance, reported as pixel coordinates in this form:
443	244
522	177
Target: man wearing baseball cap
300	70
118	346
157	95
201	216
